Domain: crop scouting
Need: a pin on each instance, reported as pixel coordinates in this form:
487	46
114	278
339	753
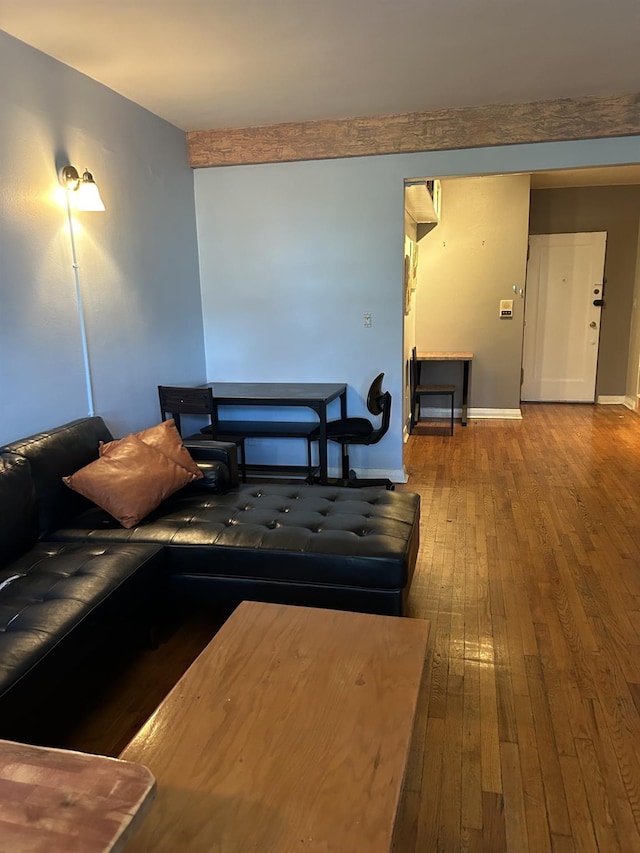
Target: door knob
592	324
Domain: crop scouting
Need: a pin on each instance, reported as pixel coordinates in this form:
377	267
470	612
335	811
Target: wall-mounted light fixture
88	194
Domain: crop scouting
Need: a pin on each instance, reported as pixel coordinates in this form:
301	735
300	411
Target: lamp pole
80	308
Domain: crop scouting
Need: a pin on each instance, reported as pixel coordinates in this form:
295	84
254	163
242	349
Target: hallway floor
528	731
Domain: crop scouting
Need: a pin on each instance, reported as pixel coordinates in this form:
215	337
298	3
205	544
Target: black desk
311	395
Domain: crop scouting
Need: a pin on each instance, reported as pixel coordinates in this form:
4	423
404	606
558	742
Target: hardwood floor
528	730
528	733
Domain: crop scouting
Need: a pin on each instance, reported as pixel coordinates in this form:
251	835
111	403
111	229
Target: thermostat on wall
506	308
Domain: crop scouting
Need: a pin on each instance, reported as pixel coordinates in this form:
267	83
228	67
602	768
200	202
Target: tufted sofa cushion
51	596
317	534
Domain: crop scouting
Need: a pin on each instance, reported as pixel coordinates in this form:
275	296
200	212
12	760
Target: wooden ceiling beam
469	127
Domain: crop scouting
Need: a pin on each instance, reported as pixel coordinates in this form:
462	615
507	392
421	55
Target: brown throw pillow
129	481
165	438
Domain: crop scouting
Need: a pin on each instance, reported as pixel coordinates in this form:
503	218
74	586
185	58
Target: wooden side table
61	801
466	358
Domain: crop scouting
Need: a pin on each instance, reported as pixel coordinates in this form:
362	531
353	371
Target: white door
562	319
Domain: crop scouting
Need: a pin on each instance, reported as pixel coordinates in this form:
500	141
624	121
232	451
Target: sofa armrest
216	451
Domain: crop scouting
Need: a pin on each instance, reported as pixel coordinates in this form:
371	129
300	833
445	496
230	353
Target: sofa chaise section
328	546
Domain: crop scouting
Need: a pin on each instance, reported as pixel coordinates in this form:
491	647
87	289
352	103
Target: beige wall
633	369
467	264
616	210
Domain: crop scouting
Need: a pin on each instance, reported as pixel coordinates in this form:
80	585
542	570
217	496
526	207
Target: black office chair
347	431
419	390
176	401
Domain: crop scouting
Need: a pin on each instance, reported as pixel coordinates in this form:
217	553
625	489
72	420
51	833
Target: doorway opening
451	298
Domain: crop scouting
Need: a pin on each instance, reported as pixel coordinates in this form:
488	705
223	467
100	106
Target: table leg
415	379
465	391
322	444
343	405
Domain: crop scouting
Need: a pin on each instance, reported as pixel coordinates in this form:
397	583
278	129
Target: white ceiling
205	64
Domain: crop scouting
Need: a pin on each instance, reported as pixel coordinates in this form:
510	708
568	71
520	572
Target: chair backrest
374	396
379	403
176	401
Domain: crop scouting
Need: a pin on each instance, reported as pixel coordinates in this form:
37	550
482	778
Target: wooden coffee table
289	732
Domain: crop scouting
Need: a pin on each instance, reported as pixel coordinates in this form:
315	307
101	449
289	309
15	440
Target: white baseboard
437	412
632	403
608	400
444	414
507	414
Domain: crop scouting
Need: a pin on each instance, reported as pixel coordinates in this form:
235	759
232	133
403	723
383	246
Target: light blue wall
138	260
293	254
289	265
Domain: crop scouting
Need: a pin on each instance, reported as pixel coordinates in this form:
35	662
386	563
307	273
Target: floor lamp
82	194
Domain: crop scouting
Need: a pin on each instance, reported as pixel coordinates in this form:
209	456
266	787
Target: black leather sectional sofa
67	567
